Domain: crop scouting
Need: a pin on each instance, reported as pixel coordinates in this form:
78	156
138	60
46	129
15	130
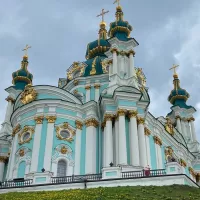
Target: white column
116	141
158	144
49	142
122	138
88	87
90	155
142	146
179	124
2	166
193	129
115	66
36	143
97	86
131	61
134	143
27	169
147	134
108	140
79	126
12	159
9	109
104	147
184	132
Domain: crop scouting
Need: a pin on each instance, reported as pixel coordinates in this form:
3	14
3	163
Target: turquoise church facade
97	117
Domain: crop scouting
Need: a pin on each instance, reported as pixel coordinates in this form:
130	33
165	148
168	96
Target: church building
97	120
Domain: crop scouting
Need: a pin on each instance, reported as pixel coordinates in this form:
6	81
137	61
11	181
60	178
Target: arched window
62	168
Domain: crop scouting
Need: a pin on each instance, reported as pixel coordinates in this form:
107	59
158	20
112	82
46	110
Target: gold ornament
157	140
3	159
51	119
104	66
140	120
183	163
168	152
79	125
192	172
108	117
16	130
10	99
140	76
25	130
76	67
87	87
147	132
28	95
75	82
93	71
92	122
121	112
63	150
39	119
97	86
169	127
21	152
132	113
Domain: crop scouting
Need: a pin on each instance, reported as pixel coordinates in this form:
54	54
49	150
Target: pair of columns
138	152
88	90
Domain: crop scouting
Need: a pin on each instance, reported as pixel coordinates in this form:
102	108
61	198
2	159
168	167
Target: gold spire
26	50
174	68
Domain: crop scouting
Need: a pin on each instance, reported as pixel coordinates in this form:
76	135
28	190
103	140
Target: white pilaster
90	155
193	129
116	141
108	140
142	146
2	166
131	61
134	143
36	142
158	144
122	138
97	86
79	126
147	134
104	147
49	143
183	129
115	66
88	88
9	109
179	124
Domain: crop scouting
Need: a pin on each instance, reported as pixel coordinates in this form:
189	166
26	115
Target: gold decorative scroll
28	95
51	119
16	130
79	125
92	122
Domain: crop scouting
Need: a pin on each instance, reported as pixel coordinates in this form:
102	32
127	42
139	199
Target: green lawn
175	192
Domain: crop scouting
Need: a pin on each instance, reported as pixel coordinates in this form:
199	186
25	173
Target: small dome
22	77
120	28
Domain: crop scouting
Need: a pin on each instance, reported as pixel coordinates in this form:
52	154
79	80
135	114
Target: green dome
100	46
120	28
178	96
95	66
22	77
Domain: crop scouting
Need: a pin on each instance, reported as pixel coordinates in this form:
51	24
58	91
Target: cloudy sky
58	31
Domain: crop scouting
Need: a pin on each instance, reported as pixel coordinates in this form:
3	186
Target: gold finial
26	49
174	68
117	1
102	14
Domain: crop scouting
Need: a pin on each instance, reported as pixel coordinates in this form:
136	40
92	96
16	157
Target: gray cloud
59	31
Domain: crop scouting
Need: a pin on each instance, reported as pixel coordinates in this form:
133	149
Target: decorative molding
131	52
192	172
182	163
168	152
132	113
21	153
97	86
10	99
108	117
75	82
88	87
79	124
121	112
39	119
92	122
191	119
75	91
28	95
65	127
16	130
169	126
25	130
147	132
51	119
63	150
103	124
140	120
3	159
76	67
114	50
177	117
157	140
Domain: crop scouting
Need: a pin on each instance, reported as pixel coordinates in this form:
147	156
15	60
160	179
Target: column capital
51	119
79	124
131	52
157	140
3	159
88	87
16	129
103	124
108	117
147	132
92	122
191	119
132	113
178	117
110	62
39	119
10	99
97	86
114	50
182	163
140	120
121	112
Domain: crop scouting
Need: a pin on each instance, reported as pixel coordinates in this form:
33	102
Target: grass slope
175	192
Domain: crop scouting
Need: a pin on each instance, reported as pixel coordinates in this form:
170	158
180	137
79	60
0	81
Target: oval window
65	134
26	136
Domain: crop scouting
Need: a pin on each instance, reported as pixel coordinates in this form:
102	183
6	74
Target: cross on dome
117	1
102	14
174	68
26	49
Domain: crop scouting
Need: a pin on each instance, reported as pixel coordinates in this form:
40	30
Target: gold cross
117	1
102	14
26	49
174	68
